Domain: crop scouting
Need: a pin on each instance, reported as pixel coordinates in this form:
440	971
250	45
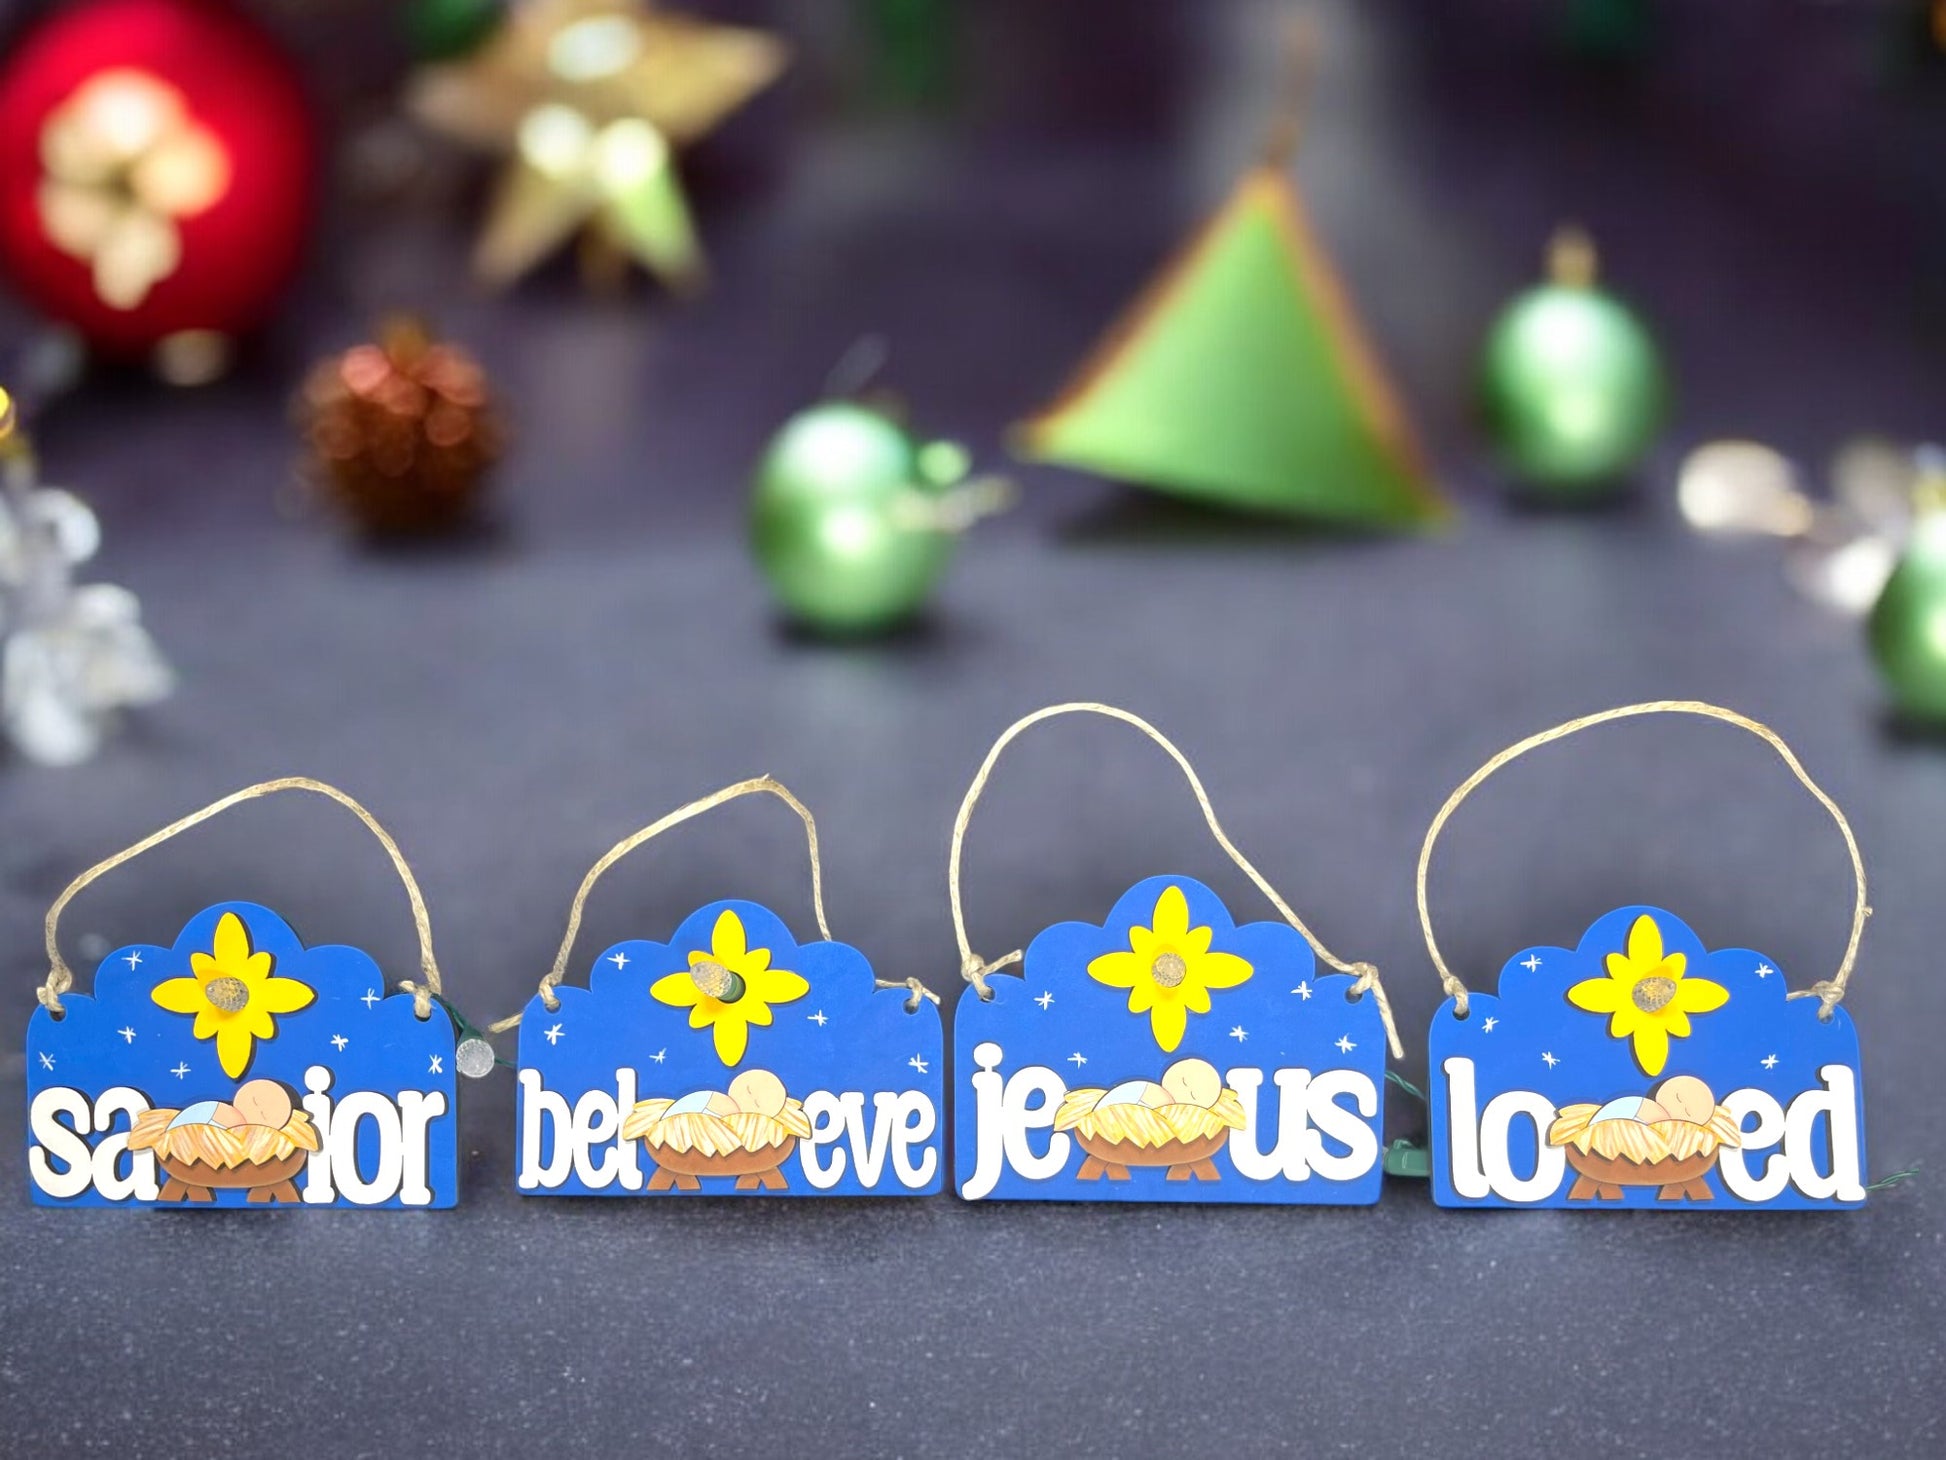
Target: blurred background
531	427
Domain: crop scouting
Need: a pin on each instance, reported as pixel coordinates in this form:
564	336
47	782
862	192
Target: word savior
1641	1069
1169	1055
239	1068
731	1060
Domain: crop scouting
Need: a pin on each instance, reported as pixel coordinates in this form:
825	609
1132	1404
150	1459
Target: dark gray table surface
512	704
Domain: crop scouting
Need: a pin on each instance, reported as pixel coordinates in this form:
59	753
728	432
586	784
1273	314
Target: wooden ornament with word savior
1169	1055
1642	1069
731	1060
239	1068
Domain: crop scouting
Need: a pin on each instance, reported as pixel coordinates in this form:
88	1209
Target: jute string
765	785
1299	48
974	969
1828	992
60	978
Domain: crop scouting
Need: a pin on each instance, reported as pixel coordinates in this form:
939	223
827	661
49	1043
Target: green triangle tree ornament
1240	377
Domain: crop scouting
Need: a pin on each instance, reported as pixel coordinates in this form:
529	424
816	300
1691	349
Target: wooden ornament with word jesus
236	1067
1641	1068
731	1060
1167	1054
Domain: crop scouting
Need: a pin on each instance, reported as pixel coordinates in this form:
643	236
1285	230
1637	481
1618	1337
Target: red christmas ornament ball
156	161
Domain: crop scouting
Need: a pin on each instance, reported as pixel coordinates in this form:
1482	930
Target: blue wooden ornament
1169	1055
1641	1069
730	1061
239	1068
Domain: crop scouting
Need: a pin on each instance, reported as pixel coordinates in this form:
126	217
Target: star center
1653	994
1169	970
717	981
228	993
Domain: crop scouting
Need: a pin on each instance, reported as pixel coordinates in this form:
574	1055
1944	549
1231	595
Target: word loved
1810	1147
372	1147
583	1141
1012	1111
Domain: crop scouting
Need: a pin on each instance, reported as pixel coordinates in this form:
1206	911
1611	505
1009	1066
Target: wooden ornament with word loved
236	1067
731	1060
1167	1054
1641	1068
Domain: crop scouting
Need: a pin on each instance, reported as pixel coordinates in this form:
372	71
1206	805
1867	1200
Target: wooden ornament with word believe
236	1067
1641	1068
1166	1054
730	1060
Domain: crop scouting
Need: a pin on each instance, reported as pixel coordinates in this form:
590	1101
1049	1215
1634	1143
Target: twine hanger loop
975	969
1828	992
764	785
60	978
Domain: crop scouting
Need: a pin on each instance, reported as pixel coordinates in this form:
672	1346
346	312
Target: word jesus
1012	1112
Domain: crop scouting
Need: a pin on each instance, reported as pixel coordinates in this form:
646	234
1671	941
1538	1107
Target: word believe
584	1140
79	1145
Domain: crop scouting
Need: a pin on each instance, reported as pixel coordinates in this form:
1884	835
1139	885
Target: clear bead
71	657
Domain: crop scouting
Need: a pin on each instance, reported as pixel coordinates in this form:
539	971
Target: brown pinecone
403	431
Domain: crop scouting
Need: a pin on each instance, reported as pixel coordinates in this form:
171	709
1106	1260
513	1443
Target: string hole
1352	996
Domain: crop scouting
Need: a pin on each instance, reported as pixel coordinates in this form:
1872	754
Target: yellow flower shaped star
232	995
1169	969
1646	996
729	988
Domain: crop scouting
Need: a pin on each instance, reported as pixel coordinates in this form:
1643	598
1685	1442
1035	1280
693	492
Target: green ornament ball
1907	627
843	521
1572	381
443	30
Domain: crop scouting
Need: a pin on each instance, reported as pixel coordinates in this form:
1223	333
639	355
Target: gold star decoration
588	100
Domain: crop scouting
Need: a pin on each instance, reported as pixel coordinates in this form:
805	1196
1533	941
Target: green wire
467	1029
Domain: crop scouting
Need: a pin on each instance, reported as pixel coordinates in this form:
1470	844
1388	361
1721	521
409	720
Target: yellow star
729	987
588	99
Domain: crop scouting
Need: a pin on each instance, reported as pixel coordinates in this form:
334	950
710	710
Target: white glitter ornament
71	656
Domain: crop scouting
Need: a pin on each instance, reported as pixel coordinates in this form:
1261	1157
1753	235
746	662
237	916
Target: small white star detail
1530	962
917	1063
1764	970
180	1070
660	1055
1345	1044
1046	998
1548	1055
128	1035
369	997
438	1065
820	1018
1238	1034
1486	1024
340	1041
620	960
1303	990
47	1060
1079	1059
134	959
553	1034
1769	1061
